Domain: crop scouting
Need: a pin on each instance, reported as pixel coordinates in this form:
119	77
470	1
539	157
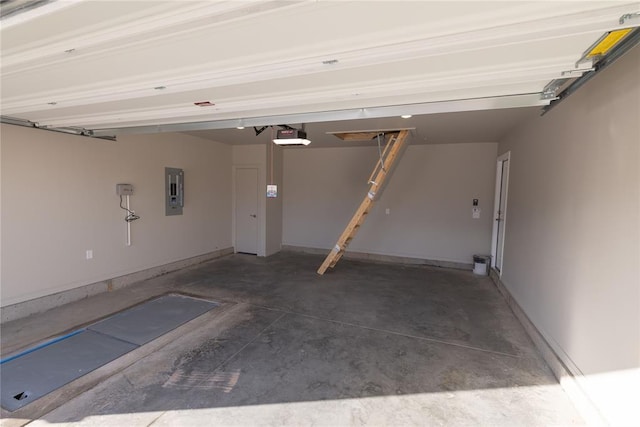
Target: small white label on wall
475	213
272	190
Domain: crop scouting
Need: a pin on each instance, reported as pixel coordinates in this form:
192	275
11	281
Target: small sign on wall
272	191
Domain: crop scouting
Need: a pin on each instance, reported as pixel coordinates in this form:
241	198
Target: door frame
260	212
496	207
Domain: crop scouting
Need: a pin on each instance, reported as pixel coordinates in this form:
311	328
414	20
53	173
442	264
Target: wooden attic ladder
390	155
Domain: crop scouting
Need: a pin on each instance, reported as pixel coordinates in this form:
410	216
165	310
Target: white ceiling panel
75	21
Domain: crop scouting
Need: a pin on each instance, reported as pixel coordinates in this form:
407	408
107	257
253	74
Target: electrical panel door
174	190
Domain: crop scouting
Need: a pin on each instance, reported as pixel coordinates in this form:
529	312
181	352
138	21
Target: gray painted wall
58	200
572	249
429	197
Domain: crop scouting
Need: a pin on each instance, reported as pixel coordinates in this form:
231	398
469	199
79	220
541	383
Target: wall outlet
387	211
89	254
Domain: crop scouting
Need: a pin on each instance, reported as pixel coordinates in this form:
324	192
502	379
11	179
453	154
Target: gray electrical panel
174	191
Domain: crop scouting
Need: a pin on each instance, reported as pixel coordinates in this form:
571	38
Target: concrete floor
365	344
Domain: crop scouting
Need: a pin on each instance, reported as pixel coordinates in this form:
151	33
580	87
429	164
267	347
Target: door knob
253	215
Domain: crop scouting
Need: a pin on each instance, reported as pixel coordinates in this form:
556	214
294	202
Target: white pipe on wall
128	224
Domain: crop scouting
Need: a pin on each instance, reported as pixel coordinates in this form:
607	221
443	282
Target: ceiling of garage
124	64
443	128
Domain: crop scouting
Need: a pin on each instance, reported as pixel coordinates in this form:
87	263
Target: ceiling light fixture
240	127
406	116
160	87
291	137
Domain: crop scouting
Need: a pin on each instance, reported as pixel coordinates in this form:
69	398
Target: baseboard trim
569	380
390	259
47	302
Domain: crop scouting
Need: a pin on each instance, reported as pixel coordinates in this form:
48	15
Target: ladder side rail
358	218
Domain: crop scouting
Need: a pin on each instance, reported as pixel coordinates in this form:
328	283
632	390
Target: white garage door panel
242	56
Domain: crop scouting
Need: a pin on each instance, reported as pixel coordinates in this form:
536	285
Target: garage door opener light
291	137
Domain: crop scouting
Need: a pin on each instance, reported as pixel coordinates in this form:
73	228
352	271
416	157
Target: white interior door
247	210
500	215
